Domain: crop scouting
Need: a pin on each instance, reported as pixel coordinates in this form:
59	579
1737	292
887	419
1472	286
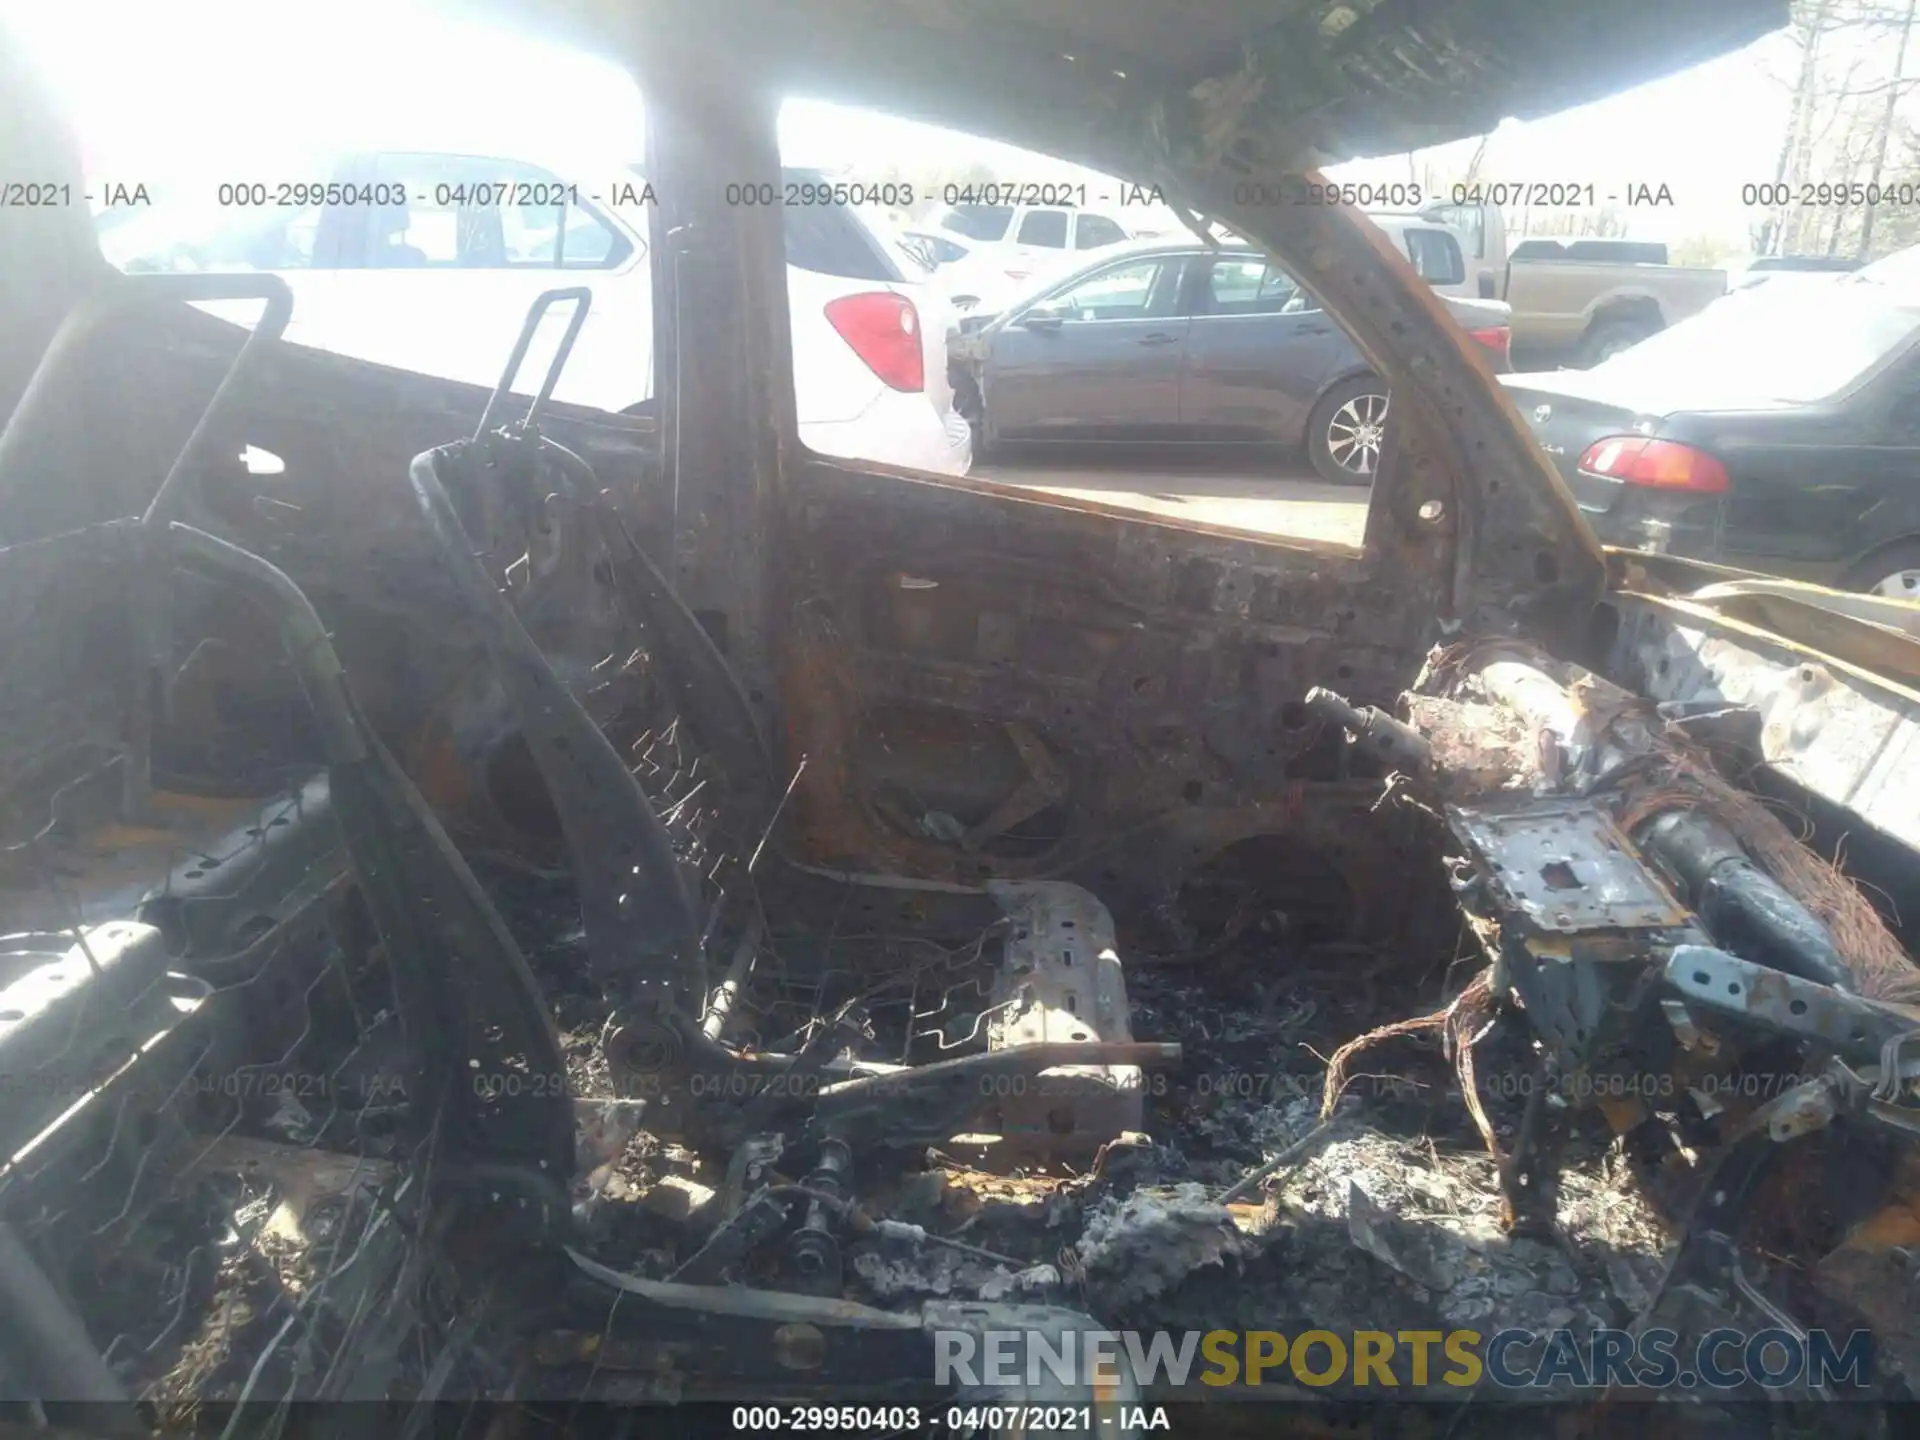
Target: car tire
1610	337
1346	431
986	446
972	408
1893	572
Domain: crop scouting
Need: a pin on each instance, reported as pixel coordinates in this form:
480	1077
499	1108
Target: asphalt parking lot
1274	497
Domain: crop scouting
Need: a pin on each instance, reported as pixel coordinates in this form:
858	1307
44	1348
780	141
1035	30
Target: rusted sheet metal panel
1843	735
1567	867
1152	664
1061	980
1785	1004
1354	77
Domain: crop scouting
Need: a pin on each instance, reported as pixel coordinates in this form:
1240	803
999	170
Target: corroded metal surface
1061	980
1843	731
1567	867
1333	77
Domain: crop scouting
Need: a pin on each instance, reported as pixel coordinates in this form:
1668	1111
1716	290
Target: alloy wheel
1900	585
1354	434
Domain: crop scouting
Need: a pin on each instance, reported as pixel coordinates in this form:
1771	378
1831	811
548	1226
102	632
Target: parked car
440	282
985	284
1779	279
936	249
1777	430
977	283
1804	264
1005	246
1433	250
1022	231
1574	302
1784	270
1161	341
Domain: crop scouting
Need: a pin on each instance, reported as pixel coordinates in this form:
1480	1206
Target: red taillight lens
1496	338
1660	464
884	331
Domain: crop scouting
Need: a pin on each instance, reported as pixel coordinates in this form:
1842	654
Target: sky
253	91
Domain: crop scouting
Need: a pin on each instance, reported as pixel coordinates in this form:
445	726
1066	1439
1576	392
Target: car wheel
1894	572
966	395
1347	431
1610	337
972	408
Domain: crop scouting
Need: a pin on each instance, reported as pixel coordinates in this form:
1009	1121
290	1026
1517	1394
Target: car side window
1132	291
193	241
1436	257
1251	287
1093	231
586	242
1045	228
830	240
1468	220
464	212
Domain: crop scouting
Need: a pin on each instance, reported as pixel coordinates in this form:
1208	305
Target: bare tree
1479	155
1841	126
1809	22
1705	251
1884	139
1604	223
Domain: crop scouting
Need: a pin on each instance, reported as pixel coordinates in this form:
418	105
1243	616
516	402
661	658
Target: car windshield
1772	345
976	222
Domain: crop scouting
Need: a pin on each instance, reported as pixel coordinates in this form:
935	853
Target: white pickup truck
1574	302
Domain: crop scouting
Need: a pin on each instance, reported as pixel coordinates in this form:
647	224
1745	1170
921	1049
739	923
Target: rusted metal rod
720	1006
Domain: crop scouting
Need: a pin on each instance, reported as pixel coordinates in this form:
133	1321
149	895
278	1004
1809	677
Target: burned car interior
506	901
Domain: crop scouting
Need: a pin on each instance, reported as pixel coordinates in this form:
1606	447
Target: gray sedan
1171	342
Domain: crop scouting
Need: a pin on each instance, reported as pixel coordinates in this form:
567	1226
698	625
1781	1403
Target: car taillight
1660	464
884	330
1496	338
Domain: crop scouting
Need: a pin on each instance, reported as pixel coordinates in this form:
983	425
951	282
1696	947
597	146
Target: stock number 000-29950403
847	1419
906	1419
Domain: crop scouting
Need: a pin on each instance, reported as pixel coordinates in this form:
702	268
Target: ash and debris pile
1134	1250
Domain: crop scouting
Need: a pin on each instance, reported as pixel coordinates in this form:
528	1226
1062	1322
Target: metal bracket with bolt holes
1858	1030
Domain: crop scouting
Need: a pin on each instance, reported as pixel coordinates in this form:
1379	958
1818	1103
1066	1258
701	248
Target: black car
1777	430
1803	264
